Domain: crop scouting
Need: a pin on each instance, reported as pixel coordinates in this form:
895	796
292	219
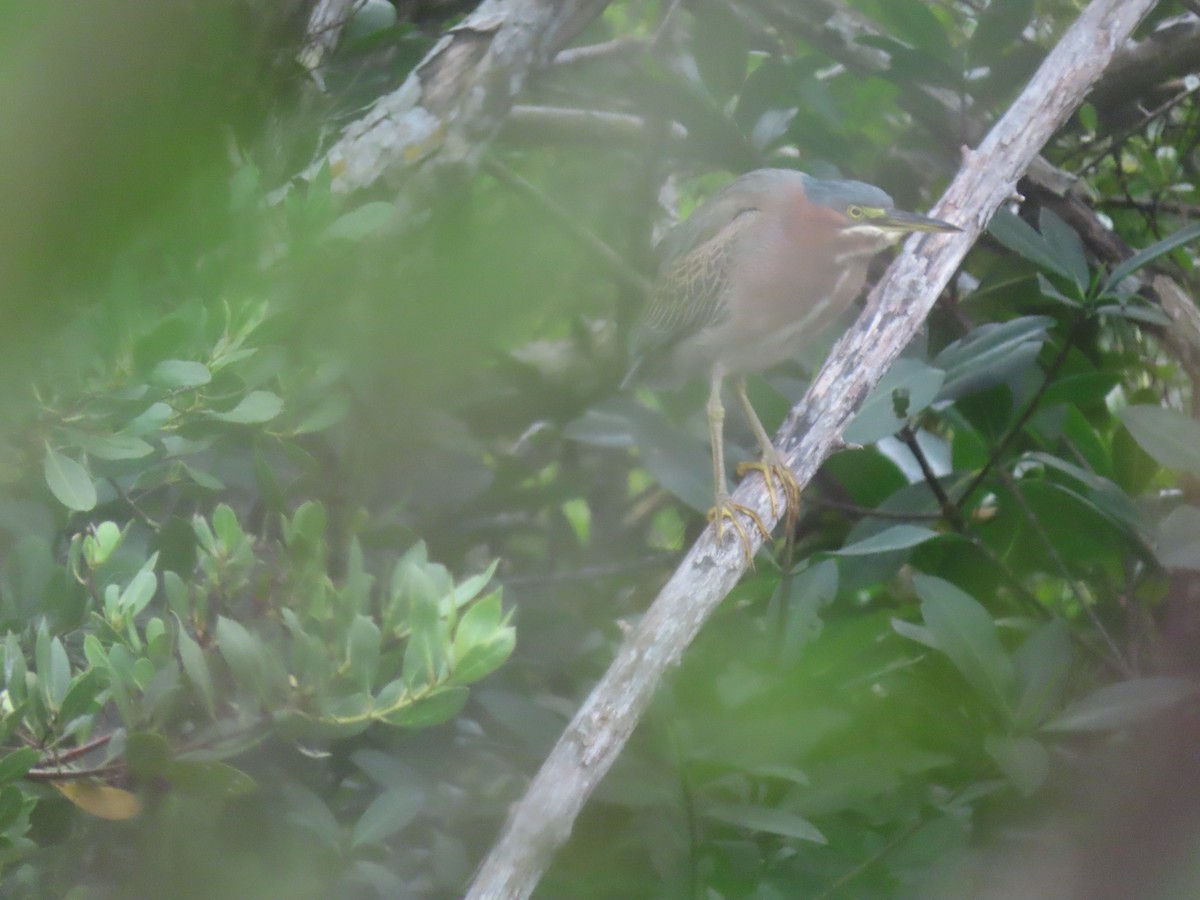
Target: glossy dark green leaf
897	537
1144	257
69	481
990	354
1146	315
1023	239
1172	438
965	632
1065	244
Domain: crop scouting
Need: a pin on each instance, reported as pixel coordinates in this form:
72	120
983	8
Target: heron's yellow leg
724	509
774	470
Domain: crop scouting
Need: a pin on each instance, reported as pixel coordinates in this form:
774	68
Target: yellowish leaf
100	799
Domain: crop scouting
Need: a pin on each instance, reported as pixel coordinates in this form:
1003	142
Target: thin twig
950	510
54	774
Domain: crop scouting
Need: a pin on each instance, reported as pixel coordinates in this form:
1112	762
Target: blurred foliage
266	468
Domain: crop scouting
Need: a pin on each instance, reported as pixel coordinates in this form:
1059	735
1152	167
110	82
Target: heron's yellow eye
855	212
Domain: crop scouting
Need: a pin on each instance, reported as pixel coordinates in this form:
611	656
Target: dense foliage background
284	478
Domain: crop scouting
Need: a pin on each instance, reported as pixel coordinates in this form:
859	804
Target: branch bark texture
452	104
542	820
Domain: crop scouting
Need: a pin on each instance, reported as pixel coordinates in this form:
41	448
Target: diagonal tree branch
542	820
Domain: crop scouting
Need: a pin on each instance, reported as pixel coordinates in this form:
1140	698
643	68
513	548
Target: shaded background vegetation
247	442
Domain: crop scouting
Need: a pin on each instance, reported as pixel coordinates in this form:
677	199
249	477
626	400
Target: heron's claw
726	509
775	472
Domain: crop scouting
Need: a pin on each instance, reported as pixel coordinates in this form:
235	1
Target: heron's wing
692	289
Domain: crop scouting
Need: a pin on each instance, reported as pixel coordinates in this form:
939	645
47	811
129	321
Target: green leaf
484	656
1017	235
227	528
1170	437
1122	704
107	538
115	446
469	588
897	537
139	593
478	623
208	778
254	409
1147	315
195	667
14	765
1024	761
1042	664
966	633
177	374
242	652
69	481
57	679
990	354
81	696
363	640
1066	246
1149	254
433	709
388	813
1178	543
877	418
424	656
152	419
768	820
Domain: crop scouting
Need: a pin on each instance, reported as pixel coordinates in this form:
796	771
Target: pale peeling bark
324	29
454	101
542	820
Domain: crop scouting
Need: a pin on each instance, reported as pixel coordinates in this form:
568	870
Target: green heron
751	276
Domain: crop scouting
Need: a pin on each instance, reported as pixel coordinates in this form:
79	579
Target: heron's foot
725	510
780	483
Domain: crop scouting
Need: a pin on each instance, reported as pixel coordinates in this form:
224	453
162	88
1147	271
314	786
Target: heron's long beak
899	220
